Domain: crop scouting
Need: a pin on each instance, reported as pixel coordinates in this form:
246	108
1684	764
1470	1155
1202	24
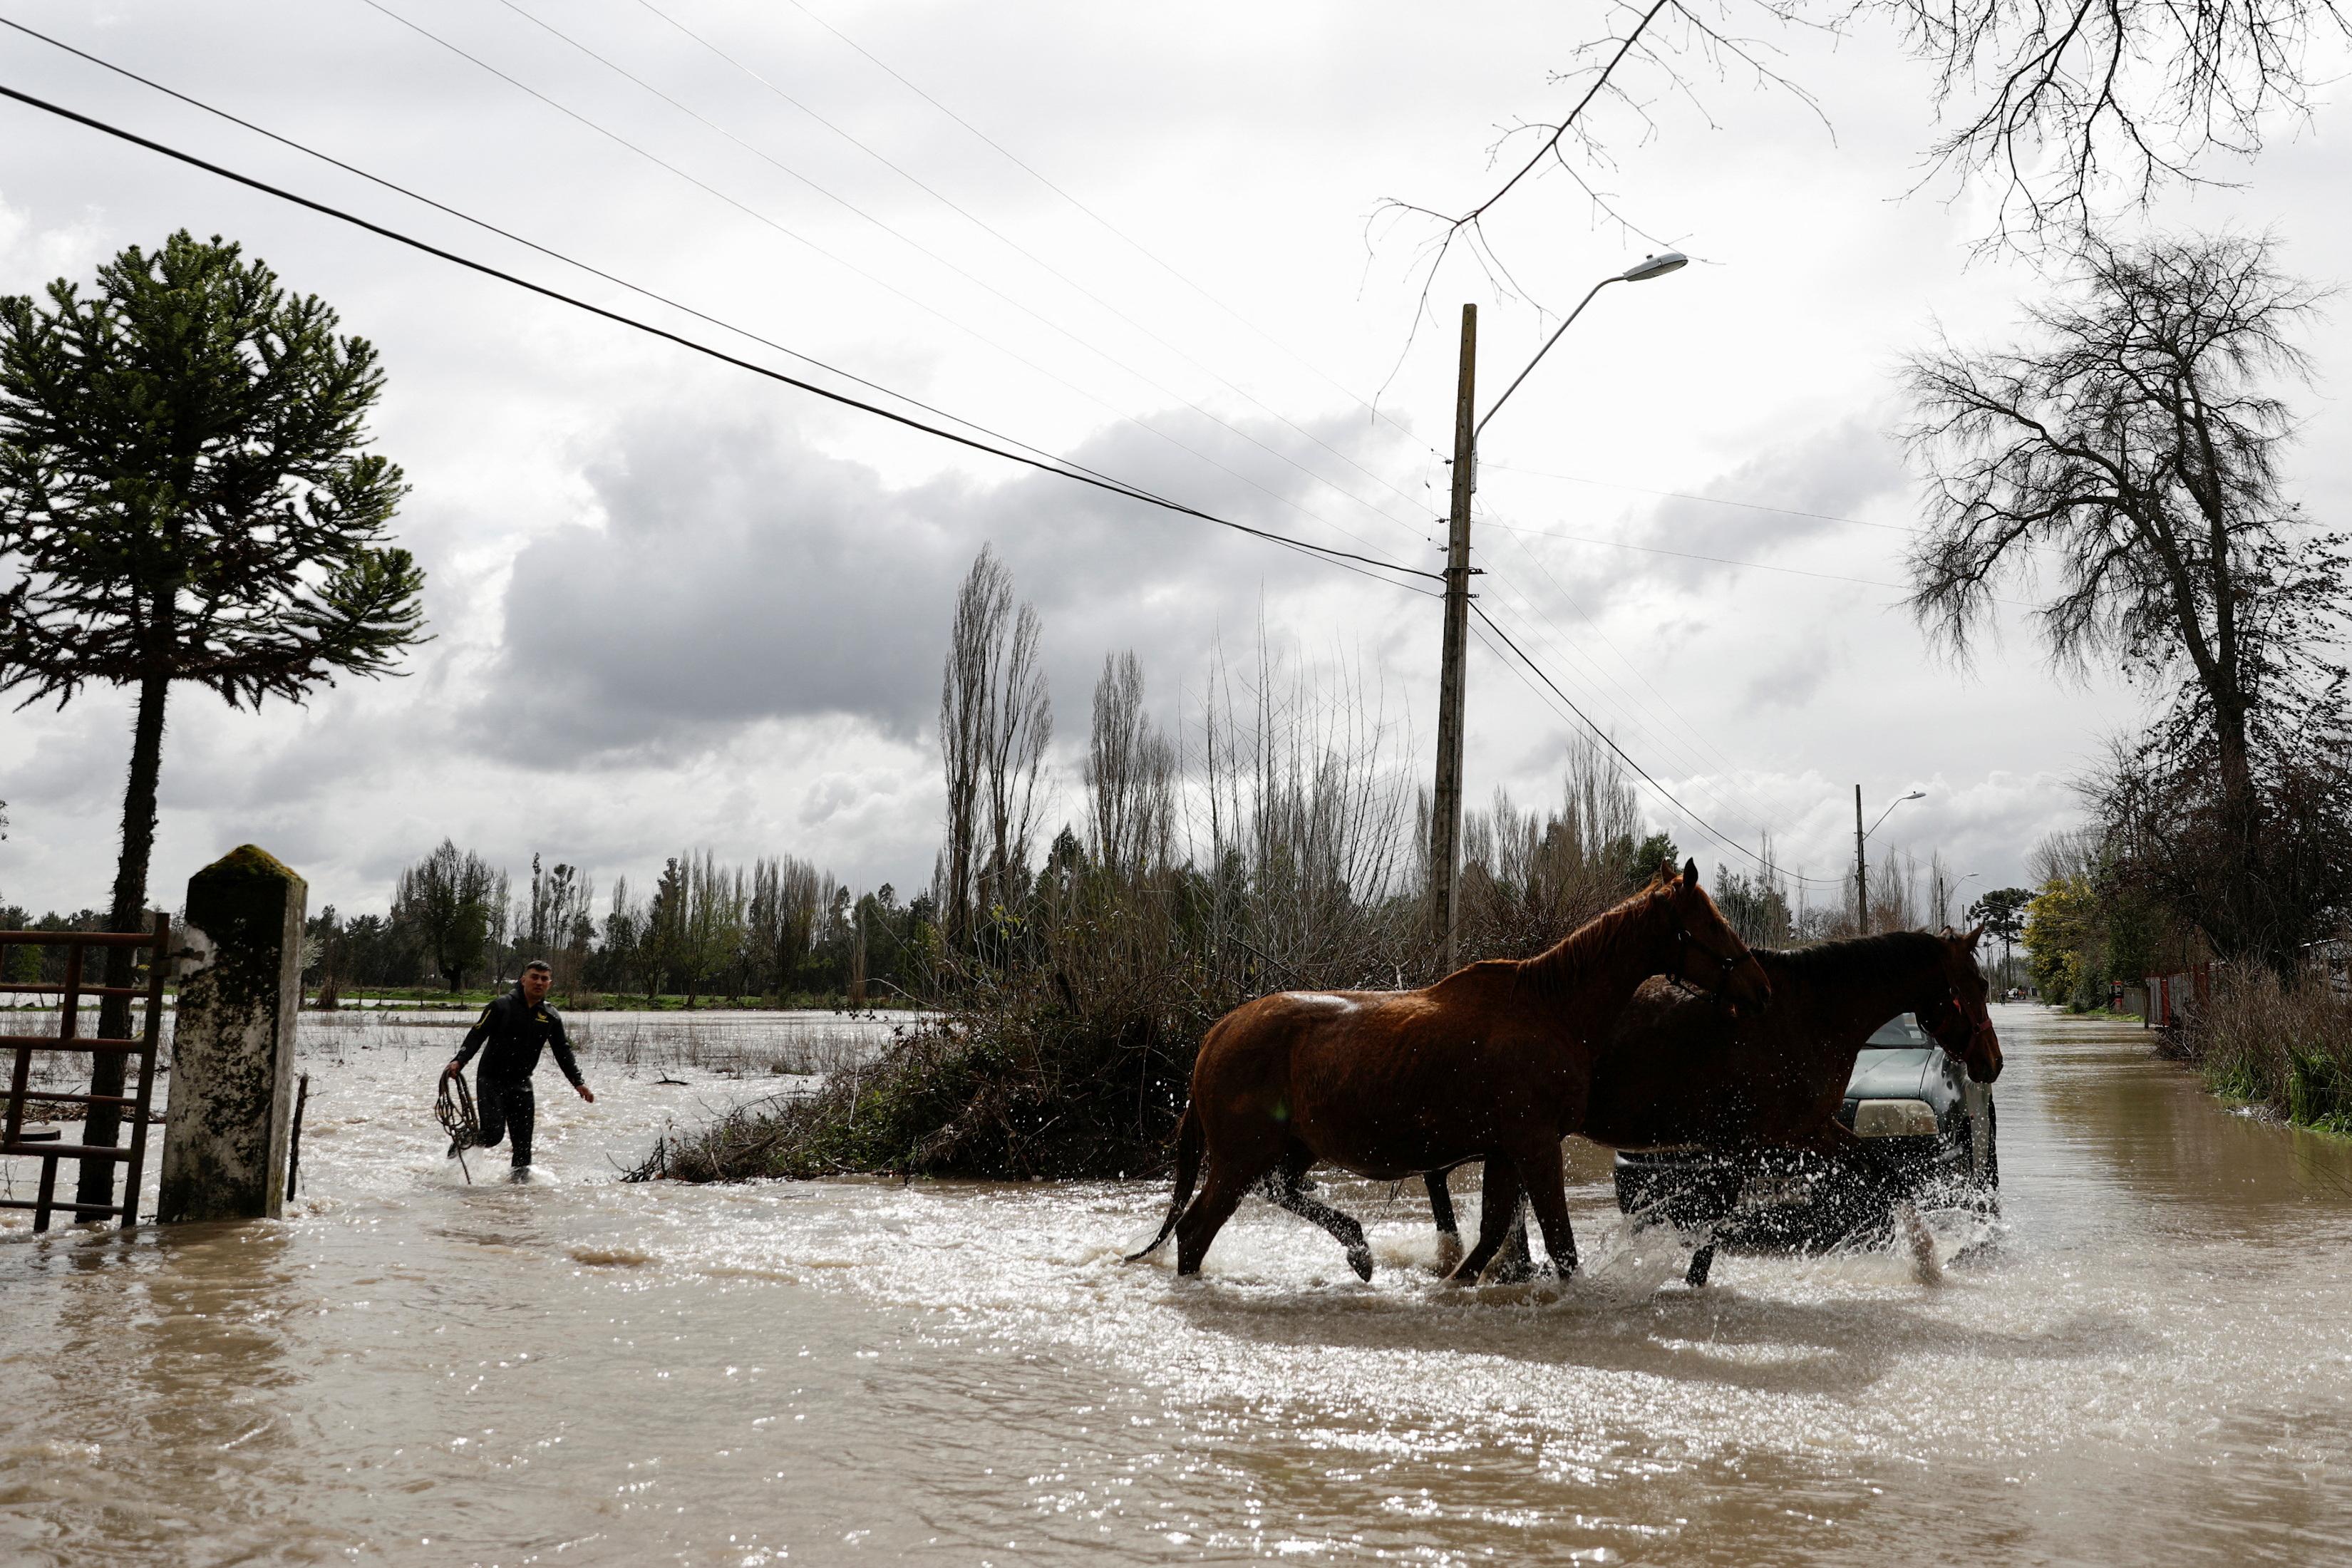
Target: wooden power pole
1445	817
1861	877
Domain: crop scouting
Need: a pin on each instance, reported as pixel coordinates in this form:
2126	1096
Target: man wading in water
515	1026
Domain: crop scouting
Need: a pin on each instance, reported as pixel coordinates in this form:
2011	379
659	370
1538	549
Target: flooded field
2147	1357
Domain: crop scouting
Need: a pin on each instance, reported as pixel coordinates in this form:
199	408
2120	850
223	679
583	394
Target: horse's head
1708	955
1957	1019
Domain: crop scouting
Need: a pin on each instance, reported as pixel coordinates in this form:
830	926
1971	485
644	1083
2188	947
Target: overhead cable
1486	463
1698	737
506	234
1105	224
1694	555
762	218
1026	254
1007	453
1657	741
1608	741
1728	560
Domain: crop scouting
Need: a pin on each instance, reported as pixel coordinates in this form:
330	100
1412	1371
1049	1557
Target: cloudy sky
675	605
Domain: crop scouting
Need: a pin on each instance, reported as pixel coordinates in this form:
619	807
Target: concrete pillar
231	1108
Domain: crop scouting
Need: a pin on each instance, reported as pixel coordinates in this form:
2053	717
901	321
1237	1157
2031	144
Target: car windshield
1899	1031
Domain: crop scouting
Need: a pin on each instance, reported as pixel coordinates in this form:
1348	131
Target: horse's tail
1190	1143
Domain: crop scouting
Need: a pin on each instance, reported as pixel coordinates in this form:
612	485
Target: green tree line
775	928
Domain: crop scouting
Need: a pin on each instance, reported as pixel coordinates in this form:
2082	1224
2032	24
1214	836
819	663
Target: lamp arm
1884	815
1498	402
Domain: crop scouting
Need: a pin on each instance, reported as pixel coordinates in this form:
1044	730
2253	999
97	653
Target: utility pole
1861	875
1445	815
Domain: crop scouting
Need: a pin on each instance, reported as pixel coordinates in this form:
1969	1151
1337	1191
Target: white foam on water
2142	1354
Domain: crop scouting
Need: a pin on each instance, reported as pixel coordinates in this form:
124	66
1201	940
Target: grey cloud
1792	682
1832	473
735	576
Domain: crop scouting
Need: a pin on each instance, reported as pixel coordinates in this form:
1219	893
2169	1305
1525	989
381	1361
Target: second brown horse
1676	1072
1493	1062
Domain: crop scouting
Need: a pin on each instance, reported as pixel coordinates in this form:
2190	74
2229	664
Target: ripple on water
2142	1356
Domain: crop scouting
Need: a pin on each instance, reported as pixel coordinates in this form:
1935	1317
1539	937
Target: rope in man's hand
455	1109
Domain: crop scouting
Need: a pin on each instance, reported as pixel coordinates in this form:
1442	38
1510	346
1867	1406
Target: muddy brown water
2145	1358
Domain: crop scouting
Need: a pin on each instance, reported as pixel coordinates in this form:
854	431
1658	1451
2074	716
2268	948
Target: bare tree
1131	776
556	925
1530	877
1308	813
2124	461
2065	108
2069	112
1941	886
1023	714
995	720
1894	892
982	604
1756	904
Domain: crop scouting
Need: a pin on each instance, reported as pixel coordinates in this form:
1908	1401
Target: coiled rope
455	1109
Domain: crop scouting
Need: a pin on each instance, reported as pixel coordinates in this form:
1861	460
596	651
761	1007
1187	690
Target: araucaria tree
2124	463
185	497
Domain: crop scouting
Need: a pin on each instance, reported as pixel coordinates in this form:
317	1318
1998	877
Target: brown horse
1677	1071
1492	1061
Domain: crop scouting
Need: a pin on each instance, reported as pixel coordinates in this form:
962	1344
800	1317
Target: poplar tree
185	497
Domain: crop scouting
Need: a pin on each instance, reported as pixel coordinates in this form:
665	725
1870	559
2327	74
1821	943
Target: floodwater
2145	1359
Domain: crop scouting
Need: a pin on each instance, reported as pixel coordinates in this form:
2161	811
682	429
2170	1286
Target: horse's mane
1595	939
1834	957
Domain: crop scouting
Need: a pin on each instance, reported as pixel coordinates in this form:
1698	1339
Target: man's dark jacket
515	1031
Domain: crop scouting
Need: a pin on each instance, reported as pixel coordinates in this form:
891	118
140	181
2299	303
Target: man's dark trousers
507	1110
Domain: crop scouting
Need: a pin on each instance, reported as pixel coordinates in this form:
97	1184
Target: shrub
2284	1046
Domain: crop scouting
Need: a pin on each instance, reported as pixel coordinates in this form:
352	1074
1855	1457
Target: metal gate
13	1138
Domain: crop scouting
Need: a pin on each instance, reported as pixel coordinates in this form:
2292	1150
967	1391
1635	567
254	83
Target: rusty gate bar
12	1139
19	1079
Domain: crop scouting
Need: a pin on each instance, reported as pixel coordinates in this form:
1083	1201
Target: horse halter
1952	1004
1683	941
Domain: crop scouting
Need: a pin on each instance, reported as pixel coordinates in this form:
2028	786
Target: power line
591	270
1687	495
1608	741
1707	746
963	272
762	218
1727	561
1660	743
568	260
1693	555
1105	224
1043	466
1026	254
1722	782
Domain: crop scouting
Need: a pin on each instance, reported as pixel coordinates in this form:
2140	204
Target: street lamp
1957	887
1446	817
1861	875
1641	271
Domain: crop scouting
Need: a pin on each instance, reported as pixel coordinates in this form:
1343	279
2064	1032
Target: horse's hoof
1359	1259
1449	1252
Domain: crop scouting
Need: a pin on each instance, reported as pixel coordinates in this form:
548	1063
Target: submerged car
1927	1133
